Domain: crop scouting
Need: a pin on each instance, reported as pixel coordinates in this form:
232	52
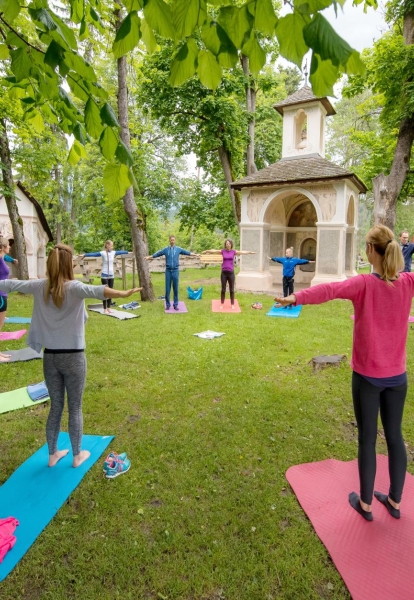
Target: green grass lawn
211	426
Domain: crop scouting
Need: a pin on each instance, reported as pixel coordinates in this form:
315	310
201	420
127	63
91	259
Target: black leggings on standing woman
110	283
227	276
368	401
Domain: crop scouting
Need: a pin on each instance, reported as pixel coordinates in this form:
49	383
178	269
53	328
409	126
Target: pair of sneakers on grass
116	464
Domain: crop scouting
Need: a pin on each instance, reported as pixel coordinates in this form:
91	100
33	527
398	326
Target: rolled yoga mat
35	492
375	559
215	306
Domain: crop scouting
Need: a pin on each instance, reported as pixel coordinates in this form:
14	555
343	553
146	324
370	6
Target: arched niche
350	215
303	215
301	130
308	251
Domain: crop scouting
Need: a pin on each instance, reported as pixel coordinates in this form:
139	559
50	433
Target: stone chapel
302	201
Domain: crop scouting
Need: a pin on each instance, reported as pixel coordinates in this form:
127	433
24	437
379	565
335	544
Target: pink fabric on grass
7	539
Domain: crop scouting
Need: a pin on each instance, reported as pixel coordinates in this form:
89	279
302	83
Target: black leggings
110	283
227	276
368	400
288	286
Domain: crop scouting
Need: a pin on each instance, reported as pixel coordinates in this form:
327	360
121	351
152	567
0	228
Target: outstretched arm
212	251
113	293
280	301
239	252
90	254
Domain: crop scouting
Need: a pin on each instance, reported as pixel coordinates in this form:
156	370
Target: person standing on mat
4	274
227	268
407	250
379	379
58	326
289	265
107	276
172	264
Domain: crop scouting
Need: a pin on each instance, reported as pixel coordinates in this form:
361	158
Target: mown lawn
211	426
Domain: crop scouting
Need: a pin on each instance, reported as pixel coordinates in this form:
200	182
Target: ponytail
59	270
384	243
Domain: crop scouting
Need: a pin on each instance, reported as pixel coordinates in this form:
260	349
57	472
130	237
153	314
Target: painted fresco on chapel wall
304	215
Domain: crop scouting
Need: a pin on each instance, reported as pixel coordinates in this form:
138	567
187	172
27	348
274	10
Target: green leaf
185	16
210	37
184	64
83	31
108	116
148	37
95	19
80	134
265	18
256	54
54	25
10	9
76	84
289	32
310	7
78	64
127	36
93	119
123	154
16	92
96	90
237	23
354	65
4	52
21	63
35	119
131	5
323	75
116	179
324	41
54	55
77	10
76	152
159	17
14	40
218	42
108	143
209	71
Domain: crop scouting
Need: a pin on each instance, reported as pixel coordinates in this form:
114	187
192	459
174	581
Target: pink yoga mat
375	559
12	335
181	309
215	307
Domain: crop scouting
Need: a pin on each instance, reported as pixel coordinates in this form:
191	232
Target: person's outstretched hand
280	301
147	257
127	293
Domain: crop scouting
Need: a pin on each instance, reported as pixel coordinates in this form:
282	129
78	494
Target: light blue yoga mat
18	320
35	492
287	313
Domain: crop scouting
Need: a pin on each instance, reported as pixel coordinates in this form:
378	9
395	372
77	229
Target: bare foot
109	311
55	458
5	355
4	358
80	458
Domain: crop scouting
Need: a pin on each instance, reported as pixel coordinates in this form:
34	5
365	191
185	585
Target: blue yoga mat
35	492
18	320
287	313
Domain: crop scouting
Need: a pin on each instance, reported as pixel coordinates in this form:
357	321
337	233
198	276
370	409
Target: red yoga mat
375	559
12	335
215	307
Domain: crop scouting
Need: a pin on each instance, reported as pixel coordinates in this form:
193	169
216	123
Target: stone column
330	261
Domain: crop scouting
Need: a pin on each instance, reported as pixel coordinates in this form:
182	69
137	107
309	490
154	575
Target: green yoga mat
17	399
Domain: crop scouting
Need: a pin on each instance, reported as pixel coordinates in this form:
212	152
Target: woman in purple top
4	274
227	268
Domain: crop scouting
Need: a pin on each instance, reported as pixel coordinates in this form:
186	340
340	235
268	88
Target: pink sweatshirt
381	319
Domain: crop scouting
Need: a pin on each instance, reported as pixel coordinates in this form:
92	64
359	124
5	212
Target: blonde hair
59	269
3	242
385	244
107	243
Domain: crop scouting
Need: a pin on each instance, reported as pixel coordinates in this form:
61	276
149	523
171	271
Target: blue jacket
172	256
407	251
8	258
289	264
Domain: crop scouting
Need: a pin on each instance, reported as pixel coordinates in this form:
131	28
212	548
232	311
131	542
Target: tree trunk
235	195
11	203
388	188
136	219
251	108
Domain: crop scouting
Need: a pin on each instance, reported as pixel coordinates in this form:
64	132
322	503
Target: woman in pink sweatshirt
382	304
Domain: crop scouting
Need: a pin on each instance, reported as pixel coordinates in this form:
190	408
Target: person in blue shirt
107	275
289	264
407	250
172	263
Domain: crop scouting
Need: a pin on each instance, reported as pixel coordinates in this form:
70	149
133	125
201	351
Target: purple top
4	273
228	260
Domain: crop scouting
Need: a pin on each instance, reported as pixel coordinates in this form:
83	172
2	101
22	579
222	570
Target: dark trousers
227	276
110	283
171	277
389	402
288	286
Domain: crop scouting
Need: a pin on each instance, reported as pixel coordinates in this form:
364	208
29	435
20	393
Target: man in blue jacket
172	263
407	250
289	264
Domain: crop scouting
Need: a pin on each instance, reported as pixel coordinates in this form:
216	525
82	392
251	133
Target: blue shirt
289	264
172	256
407	252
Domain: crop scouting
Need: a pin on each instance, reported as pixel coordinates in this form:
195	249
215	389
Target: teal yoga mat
287	313
16	399
35	492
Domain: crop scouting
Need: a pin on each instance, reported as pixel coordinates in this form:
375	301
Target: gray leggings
65	372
